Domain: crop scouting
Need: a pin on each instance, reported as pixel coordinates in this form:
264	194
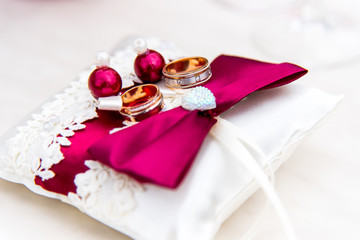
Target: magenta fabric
161	149
76	154
235	77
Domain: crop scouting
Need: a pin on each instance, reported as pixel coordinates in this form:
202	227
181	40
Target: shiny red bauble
148	66
104	82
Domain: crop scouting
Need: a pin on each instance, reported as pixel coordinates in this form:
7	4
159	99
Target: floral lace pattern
104	193
101	192
36	147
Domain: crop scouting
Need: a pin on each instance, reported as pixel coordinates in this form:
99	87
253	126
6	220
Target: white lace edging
104	193
36	147
101	192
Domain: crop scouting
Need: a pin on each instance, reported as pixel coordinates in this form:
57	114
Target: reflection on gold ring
187	72
141	102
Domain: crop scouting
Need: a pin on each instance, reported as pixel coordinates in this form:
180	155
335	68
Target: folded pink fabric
161	149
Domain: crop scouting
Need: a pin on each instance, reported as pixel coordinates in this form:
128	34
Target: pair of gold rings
143	101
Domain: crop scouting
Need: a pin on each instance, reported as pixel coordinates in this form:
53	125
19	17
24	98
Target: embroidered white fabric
217	183
36	146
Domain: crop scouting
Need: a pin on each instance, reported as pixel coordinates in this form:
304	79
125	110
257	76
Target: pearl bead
140	46
102	59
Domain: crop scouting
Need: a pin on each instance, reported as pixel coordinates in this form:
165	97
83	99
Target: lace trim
36	147
104	193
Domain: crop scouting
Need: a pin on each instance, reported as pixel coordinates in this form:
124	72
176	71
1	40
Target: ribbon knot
162	148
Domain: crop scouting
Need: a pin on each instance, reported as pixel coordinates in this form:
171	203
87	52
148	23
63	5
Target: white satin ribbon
250	155
112	103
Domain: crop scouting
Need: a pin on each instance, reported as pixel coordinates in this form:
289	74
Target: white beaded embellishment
200	98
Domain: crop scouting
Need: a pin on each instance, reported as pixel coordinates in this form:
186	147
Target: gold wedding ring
141	102
187	72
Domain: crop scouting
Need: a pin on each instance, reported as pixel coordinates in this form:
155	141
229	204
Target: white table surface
44	44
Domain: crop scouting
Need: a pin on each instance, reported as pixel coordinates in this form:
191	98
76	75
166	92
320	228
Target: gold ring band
141	102
187	72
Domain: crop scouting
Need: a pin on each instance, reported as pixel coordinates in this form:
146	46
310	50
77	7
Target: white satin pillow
276	120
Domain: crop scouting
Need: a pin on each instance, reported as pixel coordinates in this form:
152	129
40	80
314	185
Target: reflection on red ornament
104	81
148	66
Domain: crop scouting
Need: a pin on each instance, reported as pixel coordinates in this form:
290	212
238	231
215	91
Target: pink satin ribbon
162	148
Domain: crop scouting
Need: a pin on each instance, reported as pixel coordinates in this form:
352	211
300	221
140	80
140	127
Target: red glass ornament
104	82
148	66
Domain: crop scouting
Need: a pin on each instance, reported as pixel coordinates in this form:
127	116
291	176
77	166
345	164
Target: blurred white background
45	43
